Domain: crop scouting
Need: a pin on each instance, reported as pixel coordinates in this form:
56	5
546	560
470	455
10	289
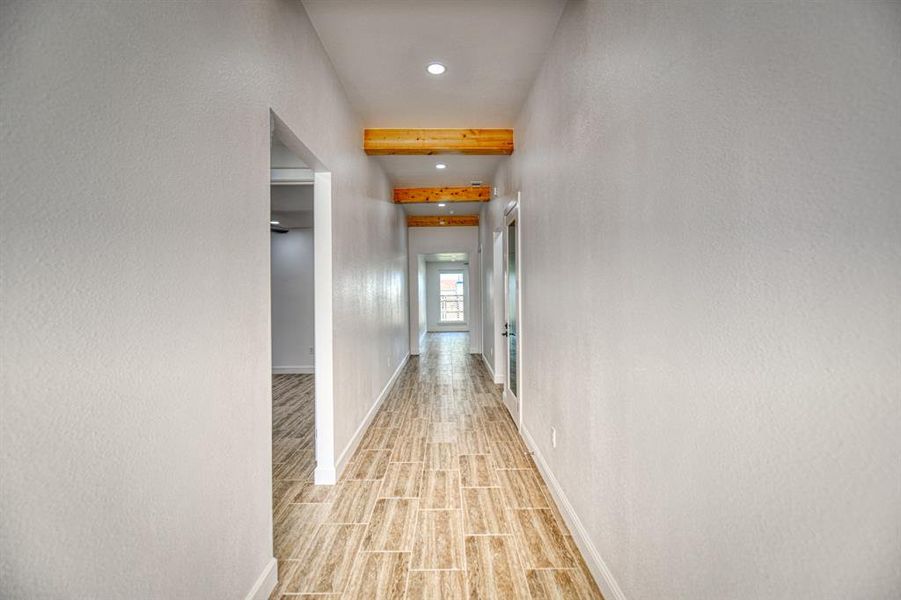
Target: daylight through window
451	292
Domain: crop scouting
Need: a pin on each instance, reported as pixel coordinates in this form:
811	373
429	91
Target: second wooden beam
442	194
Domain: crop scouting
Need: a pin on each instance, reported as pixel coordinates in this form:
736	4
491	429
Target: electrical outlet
553	437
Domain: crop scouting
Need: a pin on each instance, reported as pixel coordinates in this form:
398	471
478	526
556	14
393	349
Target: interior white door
511	308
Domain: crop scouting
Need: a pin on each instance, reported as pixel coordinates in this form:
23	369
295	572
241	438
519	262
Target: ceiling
492	50
447	257
449	208
420	171
380	48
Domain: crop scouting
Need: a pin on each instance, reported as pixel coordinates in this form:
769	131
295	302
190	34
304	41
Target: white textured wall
433	240
292	299
711	232
135	302
433	296
493	284
418	305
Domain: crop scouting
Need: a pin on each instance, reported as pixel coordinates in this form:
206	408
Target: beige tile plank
391	526
521	488
327	565
493	570
402	480
295	526
476	470
353	501
440	489
506	455
369	464
485	512
436	585
438	542
542	545
441	455
561	584
379	576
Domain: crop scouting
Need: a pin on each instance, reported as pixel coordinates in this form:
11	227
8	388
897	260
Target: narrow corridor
441	500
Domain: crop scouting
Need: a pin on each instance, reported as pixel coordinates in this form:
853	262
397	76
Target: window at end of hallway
451	291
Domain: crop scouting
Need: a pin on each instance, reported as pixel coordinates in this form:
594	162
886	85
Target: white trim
513	215
599	569
322	292
322	303
265	583
358	434
291	176
488	366
324	475
498	378
294	370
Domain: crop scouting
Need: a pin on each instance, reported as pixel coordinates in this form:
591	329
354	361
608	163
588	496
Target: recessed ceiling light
436	68
441	166
441	205
451	212
273	222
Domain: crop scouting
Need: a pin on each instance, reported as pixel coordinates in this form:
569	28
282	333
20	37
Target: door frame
325	472
512	213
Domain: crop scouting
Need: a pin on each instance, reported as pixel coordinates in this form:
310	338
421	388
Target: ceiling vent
476	183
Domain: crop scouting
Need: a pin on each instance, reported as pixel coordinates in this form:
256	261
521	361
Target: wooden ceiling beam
442	194
443	221
380	142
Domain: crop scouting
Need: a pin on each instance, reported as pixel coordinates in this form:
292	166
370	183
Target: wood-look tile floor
441	499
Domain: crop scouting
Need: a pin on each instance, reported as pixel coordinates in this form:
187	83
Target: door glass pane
511	307
451	297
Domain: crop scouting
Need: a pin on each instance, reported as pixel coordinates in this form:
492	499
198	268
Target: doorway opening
291	269
301	326
447	298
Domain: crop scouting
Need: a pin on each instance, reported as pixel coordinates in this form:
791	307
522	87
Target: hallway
441	499
250	247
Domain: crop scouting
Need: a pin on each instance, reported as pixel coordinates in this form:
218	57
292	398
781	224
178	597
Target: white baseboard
498	378
602	575
294	370
266	582
488	366
358	434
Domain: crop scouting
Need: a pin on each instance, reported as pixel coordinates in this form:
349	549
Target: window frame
463	274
